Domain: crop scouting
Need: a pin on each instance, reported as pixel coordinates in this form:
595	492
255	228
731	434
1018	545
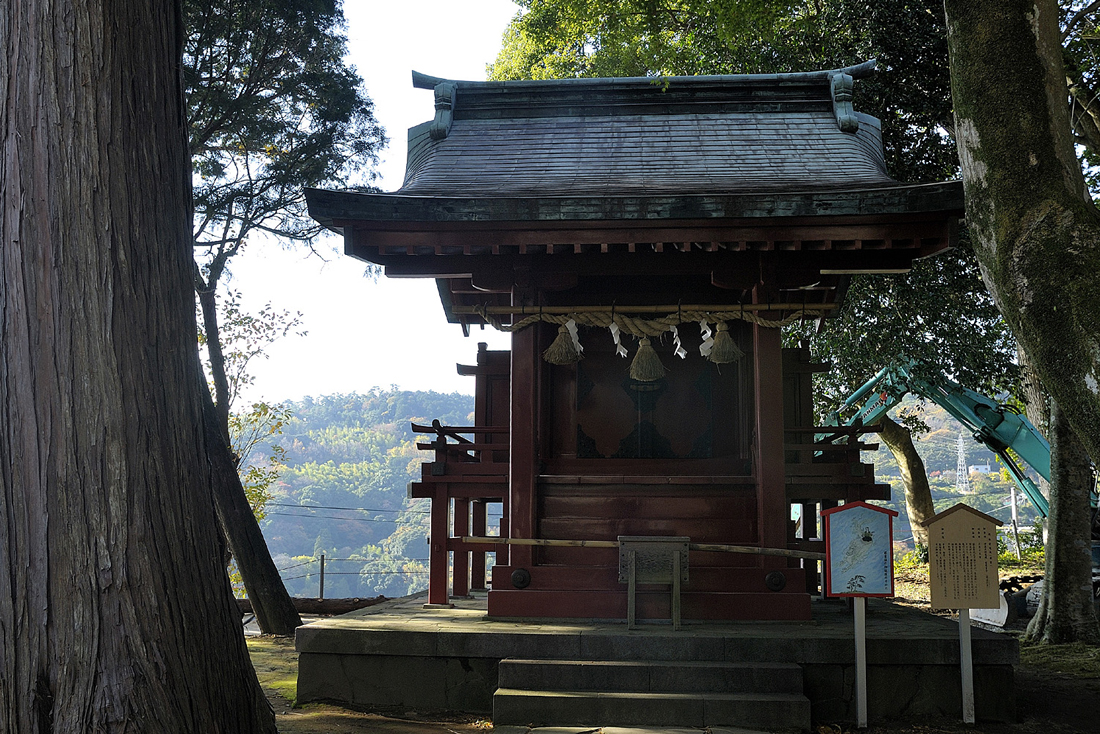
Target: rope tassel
646	366
566	348
724	351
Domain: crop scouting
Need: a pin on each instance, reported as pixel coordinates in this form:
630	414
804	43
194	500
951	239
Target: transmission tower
962	474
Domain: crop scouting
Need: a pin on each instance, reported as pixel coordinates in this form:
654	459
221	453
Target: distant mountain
351	457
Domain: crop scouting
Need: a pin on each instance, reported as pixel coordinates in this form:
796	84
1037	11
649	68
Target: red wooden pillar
772	507
523	444
461	557
480	527
437	550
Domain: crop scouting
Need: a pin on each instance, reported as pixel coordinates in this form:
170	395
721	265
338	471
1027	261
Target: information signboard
962	559
859	550
962	574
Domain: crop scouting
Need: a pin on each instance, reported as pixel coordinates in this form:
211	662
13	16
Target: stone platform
400	654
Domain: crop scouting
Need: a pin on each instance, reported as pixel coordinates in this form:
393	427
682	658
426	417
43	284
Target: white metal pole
967	661
1015	524
861	661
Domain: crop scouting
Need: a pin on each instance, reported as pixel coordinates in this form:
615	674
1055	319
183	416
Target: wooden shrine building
590	217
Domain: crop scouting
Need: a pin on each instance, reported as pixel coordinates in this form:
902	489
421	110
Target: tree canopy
271	108
608	38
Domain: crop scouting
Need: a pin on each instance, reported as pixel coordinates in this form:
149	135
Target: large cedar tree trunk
914	477
1066	612
1035	232
1036	404
115	610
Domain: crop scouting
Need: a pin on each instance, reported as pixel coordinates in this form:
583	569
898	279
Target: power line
359	573
333	560
333	507
368	560
364	509
335	517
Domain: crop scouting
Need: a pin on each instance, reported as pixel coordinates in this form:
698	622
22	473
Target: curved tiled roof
607	137
646	154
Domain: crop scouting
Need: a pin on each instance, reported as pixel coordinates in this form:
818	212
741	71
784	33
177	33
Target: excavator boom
1005	431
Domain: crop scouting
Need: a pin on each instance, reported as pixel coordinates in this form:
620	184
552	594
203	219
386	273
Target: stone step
645	676
774	712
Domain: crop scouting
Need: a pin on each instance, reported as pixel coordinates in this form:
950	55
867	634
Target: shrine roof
683	135
751	145
644	190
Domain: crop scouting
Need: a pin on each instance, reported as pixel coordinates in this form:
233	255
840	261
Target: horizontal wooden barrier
717	547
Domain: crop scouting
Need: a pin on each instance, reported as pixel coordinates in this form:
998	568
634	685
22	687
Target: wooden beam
709	547
748	307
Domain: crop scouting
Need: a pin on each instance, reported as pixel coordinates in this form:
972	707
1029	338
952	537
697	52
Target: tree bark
209	306
274	609
914	477
1066	612
1036	405
1034	229
115	611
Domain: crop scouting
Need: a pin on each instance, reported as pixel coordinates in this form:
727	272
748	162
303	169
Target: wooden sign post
859	562
962	573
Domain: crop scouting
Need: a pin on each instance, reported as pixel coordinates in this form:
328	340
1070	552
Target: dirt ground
1057	689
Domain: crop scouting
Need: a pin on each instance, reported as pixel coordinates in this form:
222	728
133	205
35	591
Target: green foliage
1081	55
607	38
271	108
253	433
261	458
938	448
356	451
939	315
914	560
244	337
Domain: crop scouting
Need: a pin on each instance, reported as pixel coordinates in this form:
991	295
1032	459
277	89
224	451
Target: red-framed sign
859	550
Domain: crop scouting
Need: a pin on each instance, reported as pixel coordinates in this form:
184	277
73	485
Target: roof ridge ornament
445	93
840	87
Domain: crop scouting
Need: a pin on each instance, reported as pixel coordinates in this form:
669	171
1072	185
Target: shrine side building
681	221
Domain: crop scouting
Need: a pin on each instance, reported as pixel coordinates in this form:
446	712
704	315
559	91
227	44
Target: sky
365	333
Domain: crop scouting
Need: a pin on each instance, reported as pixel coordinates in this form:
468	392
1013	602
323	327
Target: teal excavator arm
997	426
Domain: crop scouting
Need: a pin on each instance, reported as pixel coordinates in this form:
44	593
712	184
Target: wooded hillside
350	457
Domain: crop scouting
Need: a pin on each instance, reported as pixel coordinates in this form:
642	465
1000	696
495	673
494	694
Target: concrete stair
650	693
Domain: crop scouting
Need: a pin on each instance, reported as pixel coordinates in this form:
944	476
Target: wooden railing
823	469
466	474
